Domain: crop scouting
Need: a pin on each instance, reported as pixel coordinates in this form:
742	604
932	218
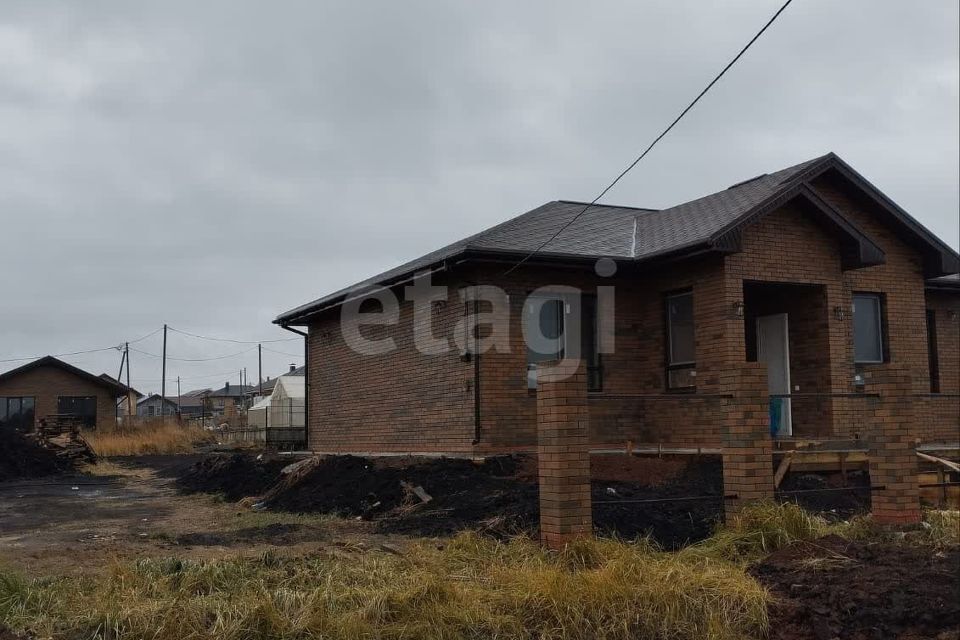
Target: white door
773	348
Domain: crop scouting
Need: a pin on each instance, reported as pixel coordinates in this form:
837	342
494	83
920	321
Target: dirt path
128	508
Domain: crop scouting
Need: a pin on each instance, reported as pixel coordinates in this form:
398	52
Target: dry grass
159	437
472	588
760	529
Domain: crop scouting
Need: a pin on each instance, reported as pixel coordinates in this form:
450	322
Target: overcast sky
213	164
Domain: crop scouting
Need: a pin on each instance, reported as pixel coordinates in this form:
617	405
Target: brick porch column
893	455
563	451
747	445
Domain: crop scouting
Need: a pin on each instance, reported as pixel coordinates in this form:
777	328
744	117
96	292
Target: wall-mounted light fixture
840	313
738	309
952	315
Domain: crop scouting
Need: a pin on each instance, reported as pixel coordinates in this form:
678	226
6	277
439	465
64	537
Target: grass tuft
760	529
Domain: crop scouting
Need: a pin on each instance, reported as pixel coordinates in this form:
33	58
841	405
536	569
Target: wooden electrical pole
130	408
163	370
260	367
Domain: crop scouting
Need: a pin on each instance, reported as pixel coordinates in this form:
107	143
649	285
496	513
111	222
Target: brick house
809	277
49	386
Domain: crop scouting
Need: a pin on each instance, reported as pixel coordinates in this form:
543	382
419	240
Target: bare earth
128	508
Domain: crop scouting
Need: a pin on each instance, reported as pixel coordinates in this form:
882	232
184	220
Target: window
545	321
867	328
933	358
17	413
83	407
681	342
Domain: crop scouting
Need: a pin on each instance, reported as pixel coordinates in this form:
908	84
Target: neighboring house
811	270
226	399
126	405
151	406
49	386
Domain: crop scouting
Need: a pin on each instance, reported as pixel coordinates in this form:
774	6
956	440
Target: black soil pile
498	497
234	475
22	457
463	494
825	493
836	588
671	523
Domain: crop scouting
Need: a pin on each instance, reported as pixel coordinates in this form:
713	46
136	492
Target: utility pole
260	367
126	350
178	396
163	369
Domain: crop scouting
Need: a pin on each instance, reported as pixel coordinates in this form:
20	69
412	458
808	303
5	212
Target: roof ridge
609	206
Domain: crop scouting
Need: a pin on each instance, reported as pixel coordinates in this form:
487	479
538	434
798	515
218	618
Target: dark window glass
550	316
17	413
681	342
680	328
933	357
867	328
83	407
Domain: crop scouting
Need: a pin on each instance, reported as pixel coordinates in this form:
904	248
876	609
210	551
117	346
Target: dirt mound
839	504
833	588
498	496
235	475
22	457
463	494
672	524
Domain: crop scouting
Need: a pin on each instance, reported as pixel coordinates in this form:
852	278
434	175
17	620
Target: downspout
306	383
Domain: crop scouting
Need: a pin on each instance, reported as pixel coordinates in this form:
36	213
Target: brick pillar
747	445
893	456
563	451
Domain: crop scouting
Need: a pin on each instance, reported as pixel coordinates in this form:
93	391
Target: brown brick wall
939	415
405	401
893	458
747	446
563	454
400	401
47	383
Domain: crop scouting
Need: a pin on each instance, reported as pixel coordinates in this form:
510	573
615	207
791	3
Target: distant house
192	403
154	405
226	399
49	386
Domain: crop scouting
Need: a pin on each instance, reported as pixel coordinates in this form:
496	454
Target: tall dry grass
151	437
473	588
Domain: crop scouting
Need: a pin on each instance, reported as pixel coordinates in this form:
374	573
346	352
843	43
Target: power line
224	357
284	353
195	335
62	355
149	335
655	140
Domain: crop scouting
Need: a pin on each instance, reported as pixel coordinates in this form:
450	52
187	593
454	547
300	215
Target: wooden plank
953	466
782	469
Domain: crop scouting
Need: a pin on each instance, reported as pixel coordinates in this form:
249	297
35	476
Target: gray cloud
212	164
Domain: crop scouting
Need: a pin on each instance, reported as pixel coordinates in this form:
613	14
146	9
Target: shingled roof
632	234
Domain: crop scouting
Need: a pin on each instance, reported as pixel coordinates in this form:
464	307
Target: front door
773	348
